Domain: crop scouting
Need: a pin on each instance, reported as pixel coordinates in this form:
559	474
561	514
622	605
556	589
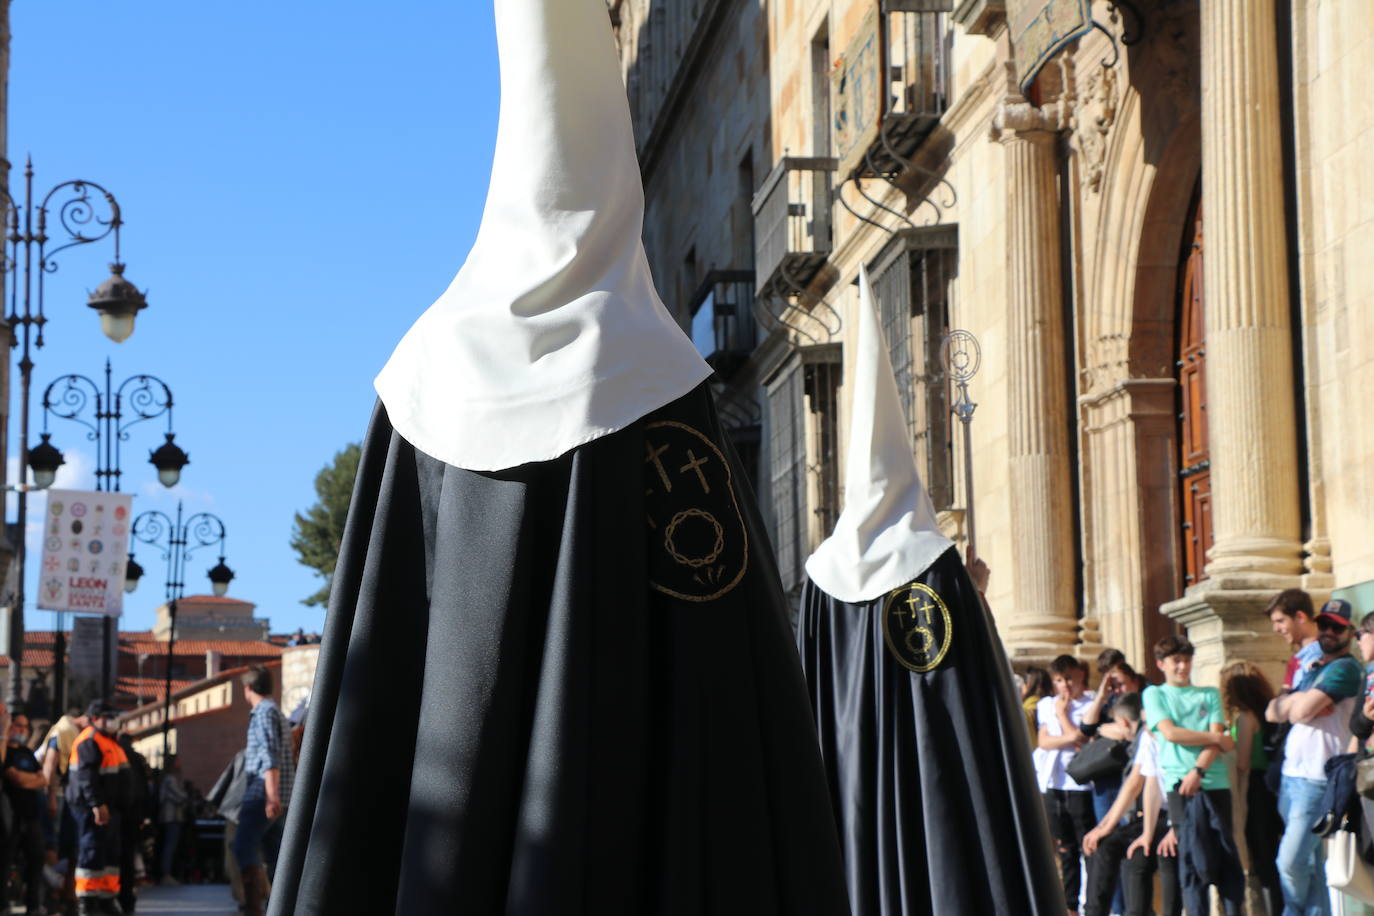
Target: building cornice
684	77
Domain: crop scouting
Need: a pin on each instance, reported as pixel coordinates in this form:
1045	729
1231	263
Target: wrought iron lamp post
82	213
176	539
108	413
963	357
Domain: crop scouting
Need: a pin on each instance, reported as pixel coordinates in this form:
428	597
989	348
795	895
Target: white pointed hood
886	536
552	334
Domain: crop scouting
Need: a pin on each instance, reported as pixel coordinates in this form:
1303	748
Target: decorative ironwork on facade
913	77
803	409
913	275
723	321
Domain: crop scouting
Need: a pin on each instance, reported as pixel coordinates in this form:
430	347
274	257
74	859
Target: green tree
317	533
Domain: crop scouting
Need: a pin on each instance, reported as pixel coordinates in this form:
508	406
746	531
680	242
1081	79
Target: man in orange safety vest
95	794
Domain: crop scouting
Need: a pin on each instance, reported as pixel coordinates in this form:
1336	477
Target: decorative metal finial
963	357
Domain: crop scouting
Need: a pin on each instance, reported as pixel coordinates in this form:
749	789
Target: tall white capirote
552	334
886	535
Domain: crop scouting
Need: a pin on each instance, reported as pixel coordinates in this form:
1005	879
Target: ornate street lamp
169	459
108	412
44	460
963	357
82	213
118	302
133	571
220	575
176	540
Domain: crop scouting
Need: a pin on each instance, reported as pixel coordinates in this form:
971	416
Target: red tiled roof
248	648
148	688
48	637
214	599
33	658
179	688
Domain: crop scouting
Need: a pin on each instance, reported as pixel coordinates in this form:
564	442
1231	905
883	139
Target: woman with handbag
1118	680
1245	692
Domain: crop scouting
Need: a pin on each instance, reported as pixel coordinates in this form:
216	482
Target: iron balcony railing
792	222
916	45
724	329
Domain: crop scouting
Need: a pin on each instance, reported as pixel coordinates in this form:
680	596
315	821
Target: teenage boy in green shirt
1191	729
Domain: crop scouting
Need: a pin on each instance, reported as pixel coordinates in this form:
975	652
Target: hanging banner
858	96
1040	29
85	548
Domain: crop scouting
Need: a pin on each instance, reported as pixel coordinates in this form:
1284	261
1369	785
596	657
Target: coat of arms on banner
85	545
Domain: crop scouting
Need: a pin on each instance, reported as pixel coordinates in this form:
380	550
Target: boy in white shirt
1068	805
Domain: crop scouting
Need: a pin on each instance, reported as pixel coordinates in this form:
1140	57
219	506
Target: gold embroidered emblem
917	627
699	548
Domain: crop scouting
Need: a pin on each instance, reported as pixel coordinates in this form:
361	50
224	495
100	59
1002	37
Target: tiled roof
224	600
33	658
146	689
180	688
248	648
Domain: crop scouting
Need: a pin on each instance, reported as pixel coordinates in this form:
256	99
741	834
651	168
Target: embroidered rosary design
699	549
917	627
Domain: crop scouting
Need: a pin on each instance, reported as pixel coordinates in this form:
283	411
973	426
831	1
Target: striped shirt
269	748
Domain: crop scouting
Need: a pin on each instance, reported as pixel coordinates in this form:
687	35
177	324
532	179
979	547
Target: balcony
723	325
792	224
894	88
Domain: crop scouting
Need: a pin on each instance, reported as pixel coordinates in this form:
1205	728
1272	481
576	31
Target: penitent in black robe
566	688
926	752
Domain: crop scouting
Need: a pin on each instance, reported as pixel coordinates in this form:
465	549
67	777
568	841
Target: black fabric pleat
508	719
930	773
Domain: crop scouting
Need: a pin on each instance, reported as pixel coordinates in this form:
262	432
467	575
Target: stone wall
1332	43
298	675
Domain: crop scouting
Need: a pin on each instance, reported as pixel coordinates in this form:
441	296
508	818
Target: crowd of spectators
1198	784
165	824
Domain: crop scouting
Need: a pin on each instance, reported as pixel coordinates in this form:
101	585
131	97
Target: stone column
1250	394
1046	621
1245	275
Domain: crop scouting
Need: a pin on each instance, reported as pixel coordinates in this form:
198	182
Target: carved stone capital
980	17
1017	117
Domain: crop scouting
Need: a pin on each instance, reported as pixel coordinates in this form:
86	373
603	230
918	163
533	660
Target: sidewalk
199	899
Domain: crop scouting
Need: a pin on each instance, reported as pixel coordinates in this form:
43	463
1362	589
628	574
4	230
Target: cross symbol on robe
925	608
694	464
653	454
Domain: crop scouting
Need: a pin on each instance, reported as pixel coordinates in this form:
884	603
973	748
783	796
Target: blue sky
299	181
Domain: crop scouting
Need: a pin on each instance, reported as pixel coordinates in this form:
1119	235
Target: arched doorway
1194	457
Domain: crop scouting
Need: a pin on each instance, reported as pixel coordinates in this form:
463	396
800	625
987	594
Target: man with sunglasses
1319	712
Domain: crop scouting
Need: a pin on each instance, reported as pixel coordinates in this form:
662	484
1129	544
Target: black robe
927	753
566	688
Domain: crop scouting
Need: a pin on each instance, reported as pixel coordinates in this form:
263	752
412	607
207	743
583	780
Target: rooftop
250	648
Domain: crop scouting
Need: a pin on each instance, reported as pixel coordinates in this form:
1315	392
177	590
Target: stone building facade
1150	216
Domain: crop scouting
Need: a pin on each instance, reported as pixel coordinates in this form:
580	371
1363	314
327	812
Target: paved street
200	899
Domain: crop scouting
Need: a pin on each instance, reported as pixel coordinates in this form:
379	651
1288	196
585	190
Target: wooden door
1194	458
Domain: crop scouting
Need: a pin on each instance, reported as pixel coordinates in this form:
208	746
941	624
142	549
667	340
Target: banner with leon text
85	549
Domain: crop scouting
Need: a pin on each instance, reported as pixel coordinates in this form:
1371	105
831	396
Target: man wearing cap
1318	710
95	794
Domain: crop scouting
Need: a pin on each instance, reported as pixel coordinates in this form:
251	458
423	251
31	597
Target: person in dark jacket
96	791
24	786
131	821
227	798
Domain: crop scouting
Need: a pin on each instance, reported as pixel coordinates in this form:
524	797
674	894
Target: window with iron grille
913	279
803	406
787	453
823	377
